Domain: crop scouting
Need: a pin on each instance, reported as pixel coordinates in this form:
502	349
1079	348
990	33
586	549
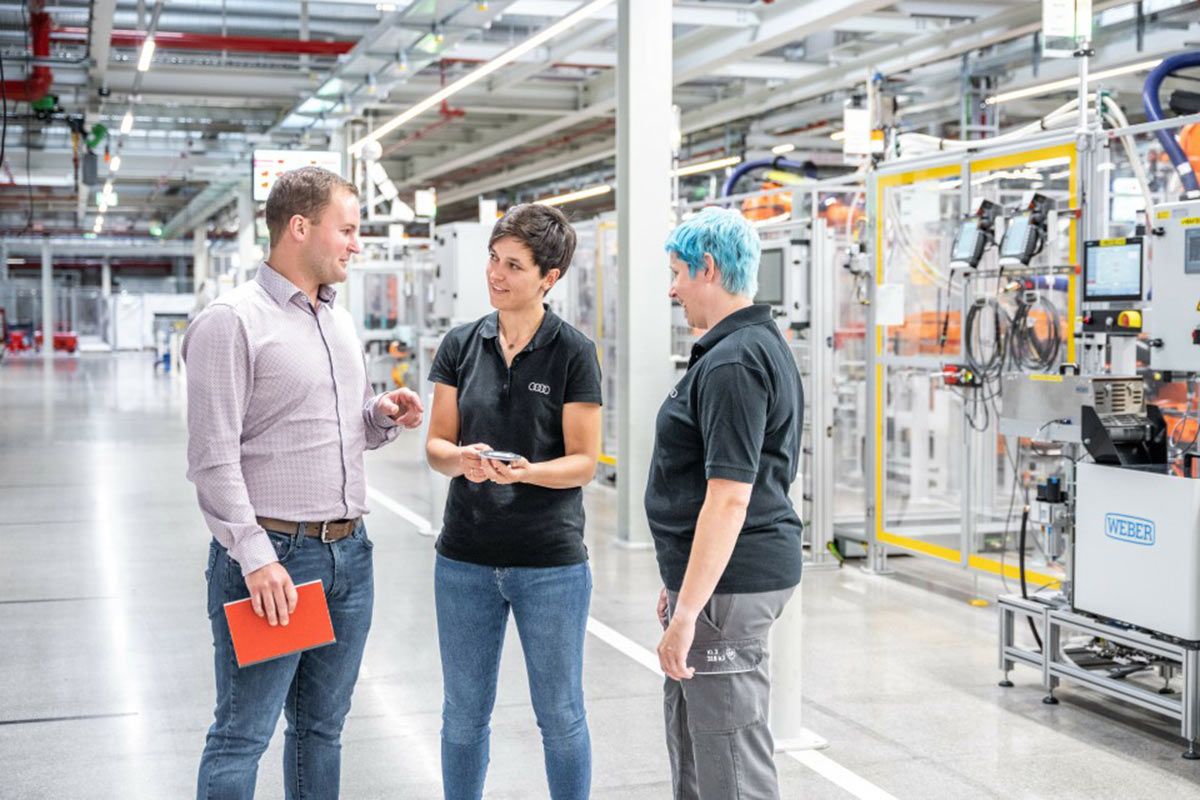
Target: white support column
644	369
245	237
199	256
3	262
106	278
47	302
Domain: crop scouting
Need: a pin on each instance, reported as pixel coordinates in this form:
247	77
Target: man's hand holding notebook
256	640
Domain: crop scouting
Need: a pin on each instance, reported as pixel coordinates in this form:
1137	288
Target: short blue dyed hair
728	238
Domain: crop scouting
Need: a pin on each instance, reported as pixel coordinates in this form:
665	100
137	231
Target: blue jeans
550	605
312	688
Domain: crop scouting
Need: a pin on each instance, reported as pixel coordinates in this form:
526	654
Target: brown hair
305	191
544	230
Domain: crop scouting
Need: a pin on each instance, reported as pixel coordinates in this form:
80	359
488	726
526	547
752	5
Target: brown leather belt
331	531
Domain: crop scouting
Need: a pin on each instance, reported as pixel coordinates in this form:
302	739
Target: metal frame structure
1056	665
963	166
817	362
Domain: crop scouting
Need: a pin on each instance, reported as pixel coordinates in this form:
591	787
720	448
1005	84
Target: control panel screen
1191	252
1112	270
770	277
964	245
1015	237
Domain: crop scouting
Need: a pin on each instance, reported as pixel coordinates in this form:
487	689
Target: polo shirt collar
750	315
546	332
284	291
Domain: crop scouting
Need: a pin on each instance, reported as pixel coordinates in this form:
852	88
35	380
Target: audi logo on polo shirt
540	388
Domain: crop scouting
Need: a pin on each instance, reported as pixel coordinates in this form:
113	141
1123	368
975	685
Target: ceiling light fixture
147	55
571	197
114	166
708	166
1067	83
481	72
780	149
127	121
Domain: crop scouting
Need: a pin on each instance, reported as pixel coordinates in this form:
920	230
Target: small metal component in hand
500	455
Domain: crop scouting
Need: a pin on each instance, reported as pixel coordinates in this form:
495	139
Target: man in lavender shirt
280	412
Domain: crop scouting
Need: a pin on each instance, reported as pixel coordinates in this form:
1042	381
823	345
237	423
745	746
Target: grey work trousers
718	741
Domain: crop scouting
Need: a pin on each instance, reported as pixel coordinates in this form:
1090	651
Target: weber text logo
1134	530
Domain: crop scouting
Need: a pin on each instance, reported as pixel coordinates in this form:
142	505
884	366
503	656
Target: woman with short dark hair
515	424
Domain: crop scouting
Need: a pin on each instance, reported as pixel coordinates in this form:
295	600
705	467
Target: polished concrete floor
105	652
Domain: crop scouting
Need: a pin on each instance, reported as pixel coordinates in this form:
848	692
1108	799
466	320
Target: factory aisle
106	655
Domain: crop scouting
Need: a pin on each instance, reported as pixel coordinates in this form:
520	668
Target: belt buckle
325	532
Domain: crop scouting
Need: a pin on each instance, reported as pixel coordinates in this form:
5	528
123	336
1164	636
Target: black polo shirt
517	408
735	414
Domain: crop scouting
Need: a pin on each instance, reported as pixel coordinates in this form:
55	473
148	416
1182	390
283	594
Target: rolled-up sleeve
216	351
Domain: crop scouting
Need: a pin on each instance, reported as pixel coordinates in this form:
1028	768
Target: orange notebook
255	640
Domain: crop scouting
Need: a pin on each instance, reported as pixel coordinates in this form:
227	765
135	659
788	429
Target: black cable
1021	564
1030	352
992	365
944	333
1012	501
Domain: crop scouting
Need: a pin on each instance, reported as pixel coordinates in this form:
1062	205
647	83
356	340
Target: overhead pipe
172	40
36	83
342	27
1166	136
750	166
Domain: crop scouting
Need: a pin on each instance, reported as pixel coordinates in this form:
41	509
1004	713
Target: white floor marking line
835	773
420	523
624	645
818	762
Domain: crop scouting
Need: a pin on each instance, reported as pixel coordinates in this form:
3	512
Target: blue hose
749	166
1154	114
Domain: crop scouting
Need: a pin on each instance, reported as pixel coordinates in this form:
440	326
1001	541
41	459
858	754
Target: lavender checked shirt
279	413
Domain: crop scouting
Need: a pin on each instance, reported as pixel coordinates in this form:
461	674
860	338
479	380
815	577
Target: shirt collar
545	334
284	291
750	315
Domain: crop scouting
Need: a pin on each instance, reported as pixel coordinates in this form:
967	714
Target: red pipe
36	82
171	40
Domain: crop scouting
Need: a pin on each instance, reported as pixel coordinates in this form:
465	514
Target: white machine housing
783	281
460	286
1137	549
1174	259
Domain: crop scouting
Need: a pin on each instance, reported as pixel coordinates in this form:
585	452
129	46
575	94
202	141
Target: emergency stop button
1129	319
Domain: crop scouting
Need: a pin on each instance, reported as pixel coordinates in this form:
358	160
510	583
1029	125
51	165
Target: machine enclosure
461	287
1137	549
1175	284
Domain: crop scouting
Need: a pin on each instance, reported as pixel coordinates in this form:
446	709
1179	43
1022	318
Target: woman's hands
478	469
506	473
470	462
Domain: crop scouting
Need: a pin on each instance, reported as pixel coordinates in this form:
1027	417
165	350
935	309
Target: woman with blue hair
726	450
